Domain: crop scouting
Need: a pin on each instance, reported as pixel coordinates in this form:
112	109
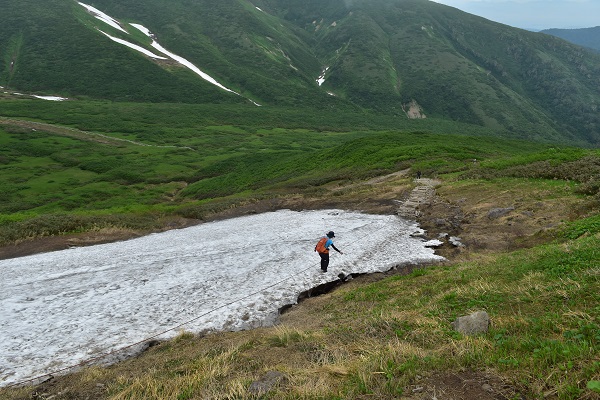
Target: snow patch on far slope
103	17
135	47
180	59
115	24
321	78
50	98
191	66
183	61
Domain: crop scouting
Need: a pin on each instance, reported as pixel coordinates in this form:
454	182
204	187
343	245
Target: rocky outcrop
413	110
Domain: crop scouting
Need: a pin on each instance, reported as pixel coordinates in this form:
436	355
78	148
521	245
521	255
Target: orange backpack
320	247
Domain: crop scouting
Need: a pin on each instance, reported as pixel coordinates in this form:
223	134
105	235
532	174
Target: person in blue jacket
322	248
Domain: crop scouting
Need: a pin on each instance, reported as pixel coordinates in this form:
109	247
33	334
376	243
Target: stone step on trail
421	194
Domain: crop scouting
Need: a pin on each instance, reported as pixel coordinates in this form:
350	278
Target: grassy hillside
248	50
242	48
383	56
177	158
53	48
390	52
145	146
392	338
122	165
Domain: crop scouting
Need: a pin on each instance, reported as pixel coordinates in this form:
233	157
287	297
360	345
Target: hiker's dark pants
324	261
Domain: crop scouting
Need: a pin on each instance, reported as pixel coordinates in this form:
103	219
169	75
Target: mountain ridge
586	37
384	55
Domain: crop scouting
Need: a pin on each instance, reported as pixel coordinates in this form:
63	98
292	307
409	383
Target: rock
455	241
473	324
440	222
265	384
499	212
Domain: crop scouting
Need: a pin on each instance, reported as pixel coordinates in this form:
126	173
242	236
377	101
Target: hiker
418	174
322	248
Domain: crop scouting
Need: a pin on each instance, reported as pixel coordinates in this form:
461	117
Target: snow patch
456	241
191	66
143	29
321	78
433	243
50	98
181	60
62	308
103	17
111	21
135	47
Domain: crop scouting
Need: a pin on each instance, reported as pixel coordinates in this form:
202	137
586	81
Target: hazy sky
534	14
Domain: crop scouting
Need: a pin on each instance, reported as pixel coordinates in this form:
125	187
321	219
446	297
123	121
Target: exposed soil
466	385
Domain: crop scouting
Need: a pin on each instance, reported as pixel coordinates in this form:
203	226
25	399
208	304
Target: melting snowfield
61	308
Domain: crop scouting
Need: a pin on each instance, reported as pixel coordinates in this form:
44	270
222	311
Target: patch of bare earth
497	218
465	385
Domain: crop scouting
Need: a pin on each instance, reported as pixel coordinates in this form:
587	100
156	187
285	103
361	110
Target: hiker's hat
330	234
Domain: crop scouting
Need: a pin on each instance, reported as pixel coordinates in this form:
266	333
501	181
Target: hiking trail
423	193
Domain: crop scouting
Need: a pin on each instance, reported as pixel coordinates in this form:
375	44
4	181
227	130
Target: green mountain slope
406	58
53	47
248	50
453	64
586	37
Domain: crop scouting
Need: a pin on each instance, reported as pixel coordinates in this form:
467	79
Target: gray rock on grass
268	382
495	213
476	323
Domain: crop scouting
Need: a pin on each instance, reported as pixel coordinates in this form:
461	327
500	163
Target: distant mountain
409	58
586	37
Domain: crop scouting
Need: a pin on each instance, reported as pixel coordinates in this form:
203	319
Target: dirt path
79	134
